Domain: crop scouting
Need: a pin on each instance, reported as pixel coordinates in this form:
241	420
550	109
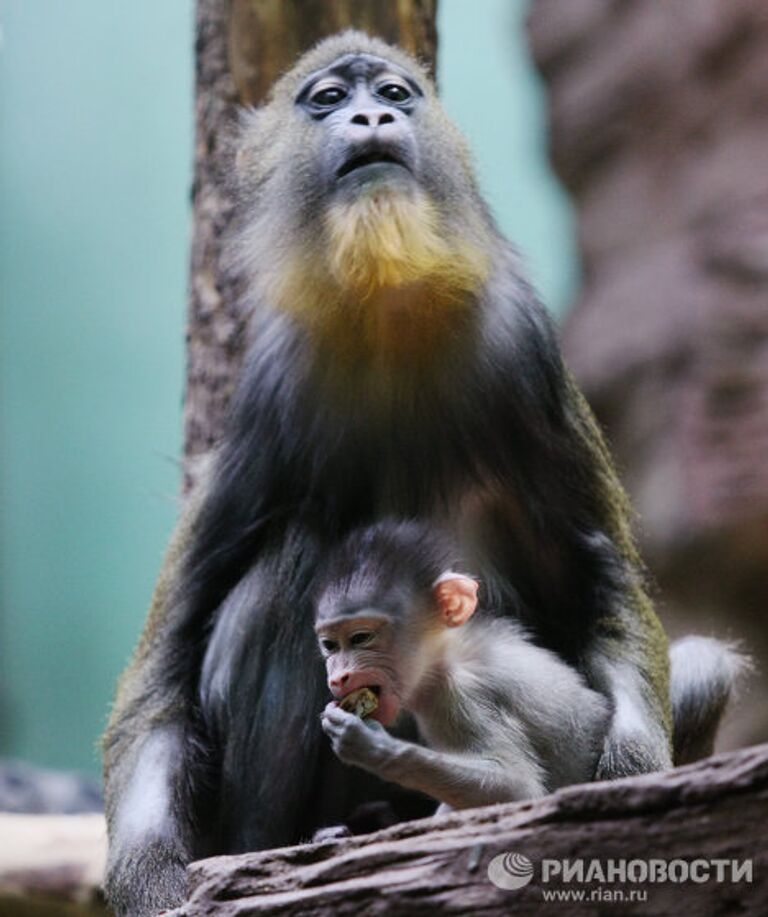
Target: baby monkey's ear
456	597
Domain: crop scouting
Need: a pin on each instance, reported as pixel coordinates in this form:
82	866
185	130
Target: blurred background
623	146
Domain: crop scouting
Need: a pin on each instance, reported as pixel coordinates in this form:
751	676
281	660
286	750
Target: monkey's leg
261	689
626	658
638	738
150	766
150	841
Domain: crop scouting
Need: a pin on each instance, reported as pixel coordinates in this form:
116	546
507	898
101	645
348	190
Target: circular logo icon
510	871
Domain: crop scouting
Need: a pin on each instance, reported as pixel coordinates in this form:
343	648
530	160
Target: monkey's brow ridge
355	66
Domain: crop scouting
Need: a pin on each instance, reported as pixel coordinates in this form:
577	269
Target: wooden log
52	865
711	812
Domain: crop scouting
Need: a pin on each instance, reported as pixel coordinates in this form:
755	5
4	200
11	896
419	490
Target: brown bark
242	46
715	809
659	130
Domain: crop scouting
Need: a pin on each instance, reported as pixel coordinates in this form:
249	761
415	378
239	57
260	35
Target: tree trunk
242	46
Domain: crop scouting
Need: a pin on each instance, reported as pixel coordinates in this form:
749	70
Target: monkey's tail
703	675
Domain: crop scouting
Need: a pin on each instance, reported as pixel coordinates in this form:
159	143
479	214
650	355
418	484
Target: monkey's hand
363	743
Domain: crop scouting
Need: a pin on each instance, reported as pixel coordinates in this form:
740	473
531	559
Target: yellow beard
382	281
391	239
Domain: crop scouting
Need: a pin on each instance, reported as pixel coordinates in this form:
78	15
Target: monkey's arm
627	658
148	798
460	781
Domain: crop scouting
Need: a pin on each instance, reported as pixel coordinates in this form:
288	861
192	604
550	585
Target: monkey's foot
331	833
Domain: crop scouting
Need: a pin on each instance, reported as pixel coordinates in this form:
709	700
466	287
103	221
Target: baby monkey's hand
363	743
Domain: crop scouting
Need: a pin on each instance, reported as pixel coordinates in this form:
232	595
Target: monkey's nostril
386	118
360	118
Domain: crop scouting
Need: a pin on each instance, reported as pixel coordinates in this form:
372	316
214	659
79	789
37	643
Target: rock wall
659	130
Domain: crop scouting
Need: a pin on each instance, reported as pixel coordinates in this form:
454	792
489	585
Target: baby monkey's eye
361	638
328	96
330	646
394	92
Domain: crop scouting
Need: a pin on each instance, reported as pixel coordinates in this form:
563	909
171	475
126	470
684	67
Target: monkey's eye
328	96
329	646
394	92
361	638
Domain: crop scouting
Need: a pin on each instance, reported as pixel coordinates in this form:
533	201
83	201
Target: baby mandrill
501	718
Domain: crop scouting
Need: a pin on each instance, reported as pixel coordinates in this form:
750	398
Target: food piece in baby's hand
361	702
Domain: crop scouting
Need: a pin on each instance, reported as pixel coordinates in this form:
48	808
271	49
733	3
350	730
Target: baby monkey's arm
458	780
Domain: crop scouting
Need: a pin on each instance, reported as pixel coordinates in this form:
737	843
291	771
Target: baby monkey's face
360	651
388	651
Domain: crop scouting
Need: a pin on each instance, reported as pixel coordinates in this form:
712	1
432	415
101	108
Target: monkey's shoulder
497	662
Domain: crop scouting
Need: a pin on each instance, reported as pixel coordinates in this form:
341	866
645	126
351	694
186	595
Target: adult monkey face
355	173
365	105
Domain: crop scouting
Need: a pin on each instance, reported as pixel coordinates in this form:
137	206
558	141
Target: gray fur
502	720
704	674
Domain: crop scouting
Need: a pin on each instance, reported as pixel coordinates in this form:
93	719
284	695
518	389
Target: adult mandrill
399	365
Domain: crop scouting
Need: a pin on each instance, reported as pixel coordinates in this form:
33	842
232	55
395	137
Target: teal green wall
95	149
95	152
490	87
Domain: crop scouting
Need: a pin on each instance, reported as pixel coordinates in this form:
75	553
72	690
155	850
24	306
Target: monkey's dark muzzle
372	158
377	158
